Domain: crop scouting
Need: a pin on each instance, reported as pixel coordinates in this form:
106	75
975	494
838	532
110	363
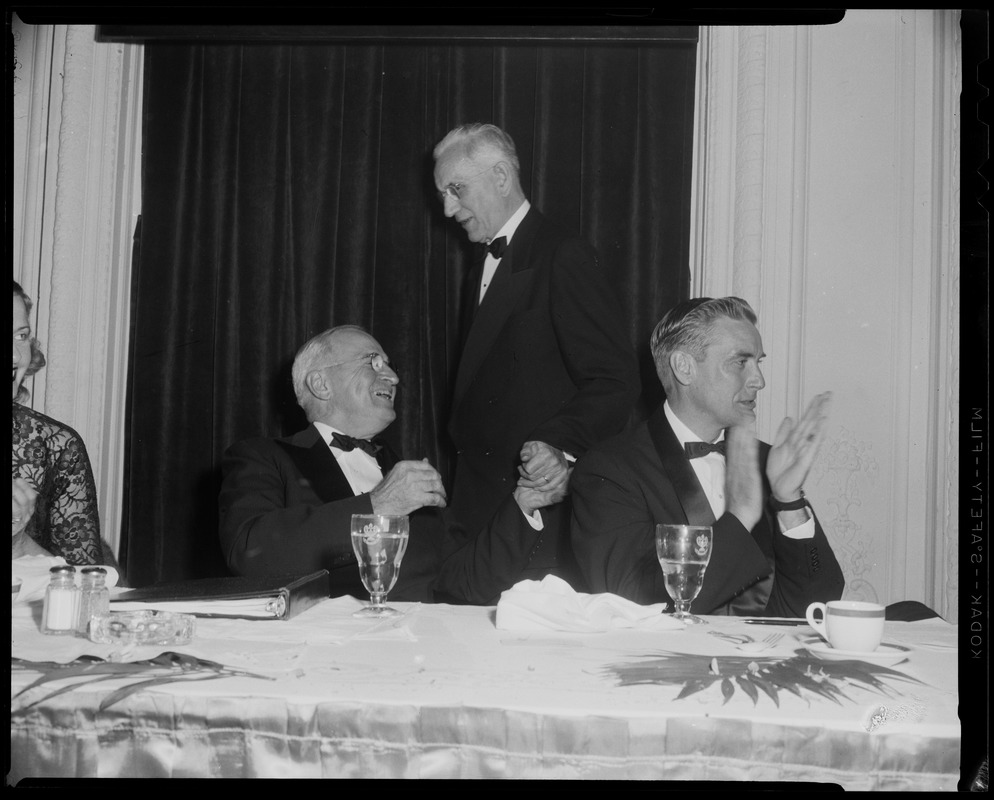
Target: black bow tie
497	247
347	443
701	449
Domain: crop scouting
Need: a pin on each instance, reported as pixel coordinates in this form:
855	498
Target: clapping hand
794	449
410	485
743	486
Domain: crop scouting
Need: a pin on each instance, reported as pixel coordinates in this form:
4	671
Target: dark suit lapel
511	280
471	296
312	457
677	467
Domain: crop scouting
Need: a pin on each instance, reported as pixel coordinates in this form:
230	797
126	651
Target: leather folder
262	597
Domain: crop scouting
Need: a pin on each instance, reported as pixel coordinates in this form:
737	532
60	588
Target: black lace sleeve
52	458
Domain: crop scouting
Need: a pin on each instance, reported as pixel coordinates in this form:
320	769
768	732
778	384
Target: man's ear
505	180
684	367
317	385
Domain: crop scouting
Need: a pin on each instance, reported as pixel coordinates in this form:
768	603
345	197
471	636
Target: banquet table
442	692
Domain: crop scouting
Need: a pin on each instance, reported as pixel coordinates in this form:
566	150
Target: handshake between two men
410	485
545	471
286	503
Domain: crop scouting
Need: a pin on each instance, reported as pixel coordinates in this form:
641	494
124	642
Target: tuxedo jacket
546	357
622	488
286	508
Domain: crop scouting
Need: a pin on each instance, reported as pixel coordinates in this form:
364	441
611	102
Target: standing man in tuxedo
286	504
546	367
695	461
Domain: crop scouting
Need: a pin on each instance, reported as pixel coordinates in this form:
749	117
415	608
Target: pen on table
776	622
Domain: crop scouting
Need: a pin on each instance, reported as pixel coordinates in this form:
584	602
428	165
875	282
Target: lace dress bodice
52	458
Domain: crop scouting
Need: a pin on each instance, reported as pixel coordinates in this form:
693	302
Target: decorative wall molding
713	189
75	211
845	469
749	200
37	106
750	159
948	86
760	88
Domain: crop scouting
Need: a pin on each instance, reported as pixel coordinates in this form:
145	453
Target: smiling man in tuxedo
696	461
286	504
546	367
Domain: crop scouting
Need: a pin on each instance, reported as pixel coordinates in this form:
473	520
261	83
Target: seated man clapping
770	554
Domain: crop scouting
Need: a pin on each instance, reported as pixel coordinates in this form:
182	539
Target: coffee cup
849	625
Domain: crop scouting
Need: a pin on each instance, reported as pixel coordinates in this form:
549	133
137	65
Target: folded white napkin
552	604
32	572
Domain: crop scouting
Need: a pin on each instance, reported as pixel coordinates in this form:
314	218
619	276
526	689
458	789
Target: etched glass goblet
684	552
379	542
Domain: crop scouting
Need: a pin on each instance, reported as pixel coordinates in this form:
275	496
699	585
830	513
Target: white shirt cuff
806	530
535	520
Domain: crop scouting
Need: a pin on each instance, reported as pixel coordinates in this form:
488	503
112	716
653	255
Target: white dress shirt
360	468
710	471
490	263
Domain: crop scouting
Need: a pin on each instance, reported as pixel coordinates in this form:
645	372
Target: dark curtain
288	188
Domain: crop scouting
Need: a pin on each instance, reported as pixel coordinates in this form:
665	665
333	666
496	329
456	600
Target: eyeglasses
455	190
377	361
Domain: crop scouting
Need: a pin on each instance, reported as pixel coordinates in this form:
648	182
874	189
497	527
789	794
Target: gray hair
479	136
687	326
312	355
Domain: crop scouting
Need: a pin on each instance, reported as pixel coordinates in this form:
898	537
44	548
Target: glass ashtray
142	627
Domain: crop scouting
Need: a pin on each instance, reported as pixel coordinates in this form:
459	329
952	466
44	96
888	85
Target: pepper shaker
94	598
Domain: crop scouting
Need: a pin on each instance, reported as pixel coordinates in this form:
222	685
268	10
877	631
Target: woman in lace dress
53	496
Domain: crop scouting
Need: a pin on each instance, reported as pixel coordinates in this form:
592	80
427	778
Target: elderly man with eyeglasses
286	504
547	368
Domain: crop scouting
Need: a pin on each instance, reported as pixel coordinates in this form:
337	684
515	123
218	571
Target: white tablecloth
444	693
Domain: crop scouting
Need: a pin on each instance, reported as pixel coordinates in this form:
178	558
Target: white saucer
886	655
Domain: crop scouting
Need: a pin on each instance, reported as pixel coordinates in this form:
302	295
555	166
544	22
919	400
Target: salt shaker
61	602
94	598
